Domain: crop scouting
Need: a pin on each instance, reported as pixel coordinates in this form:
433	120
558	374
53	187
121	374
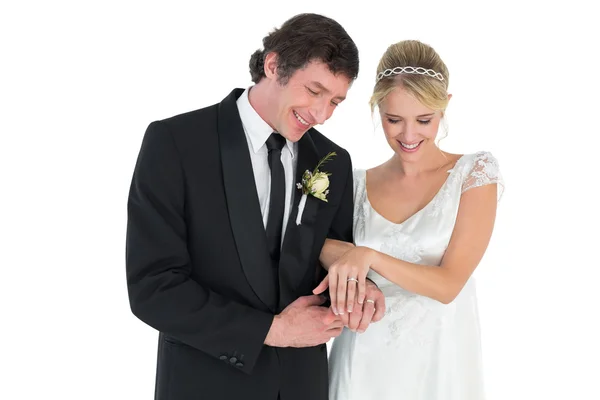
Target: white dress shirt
257	132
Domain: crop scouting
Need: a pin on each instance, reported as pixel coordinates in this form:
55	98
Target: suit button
223	358
239	365
233	360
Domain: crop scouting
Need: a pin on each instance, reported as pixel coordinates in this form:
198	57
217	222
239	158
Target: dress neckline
449	172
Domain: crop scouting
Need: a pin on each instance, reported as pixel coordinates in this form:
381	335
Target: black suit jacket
198	267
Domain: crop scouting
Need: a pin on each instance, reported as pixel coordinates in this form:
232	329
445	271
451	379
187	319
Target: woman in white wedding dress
422	223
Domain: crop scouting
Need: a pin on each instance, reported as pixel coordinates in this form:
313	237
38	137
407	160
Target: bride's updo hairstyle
418	69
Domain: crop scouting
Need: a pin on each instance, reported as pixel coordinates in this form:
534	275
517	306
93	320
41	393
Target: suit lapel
298	241
243	204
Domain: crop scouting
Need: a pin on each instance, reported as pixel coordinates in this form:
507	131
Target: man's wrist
272	338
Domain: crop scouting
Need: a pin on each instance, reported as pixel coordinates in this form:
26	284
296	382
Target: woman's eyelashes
420	121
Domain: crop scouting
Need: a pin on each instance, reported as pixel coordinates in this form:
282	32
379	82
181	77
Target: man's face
307	99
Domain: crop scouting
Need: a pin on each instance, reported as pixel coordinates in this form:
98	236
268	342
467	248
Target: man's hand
372	310
304	324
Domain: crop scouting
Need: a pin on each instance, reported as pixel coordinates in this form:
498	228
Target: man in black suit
222	248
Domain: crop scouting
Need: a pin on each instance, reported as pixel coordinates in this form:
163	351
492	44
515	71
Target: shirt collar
256	128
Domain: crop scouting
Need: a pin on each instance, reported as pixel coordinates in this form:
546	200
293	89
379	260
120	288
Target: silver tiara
409	70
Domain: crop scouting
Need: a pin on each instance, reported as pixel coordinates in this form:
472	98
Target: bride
422	223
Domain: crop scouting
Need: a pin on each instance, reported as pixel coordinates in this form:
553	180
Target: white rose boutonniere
315	183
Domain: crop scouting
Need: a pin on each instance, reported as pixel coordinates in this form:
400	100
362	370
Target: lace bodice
421	349
422	239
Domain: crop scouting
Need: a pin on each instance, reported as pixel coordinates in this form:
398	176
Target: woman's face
410	127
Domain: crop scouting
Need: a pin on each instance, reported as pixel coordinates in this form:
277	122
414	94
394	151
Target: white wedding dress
421	349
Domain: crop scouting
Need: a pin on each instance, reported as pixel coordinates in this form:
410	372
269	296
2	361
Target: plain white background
80	81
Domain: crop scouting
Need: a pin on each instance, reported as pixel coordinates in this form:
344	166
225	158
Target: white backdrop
80	81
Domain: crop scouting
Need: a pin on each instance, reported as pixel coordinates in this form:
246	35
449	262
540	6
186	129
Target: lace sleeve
485	170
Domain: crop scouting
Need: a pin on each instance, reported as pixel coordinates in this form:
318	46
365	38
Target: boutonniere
314	183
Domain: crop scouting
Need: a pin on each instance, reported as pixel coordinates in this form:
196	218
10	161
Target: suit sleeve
161	292
341	227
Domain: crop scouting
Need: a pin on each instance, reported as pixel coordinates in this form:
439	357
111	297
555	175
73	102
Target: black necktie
275	143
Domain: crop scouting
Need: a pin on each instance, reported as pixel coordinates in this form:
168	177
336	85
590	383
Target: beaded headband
409	70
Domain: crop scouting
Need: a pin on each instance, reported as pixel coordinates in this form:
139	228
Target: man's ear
271	66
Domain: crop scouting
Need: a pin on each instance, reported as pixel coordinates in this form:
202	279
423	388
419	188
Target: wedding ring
370	301
353	279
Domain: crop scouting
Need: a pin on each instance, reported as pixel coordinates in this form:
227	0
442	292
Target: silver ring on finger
352	280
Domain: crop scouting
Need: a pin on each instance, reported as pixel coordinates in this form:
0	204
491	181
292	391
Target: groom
221	258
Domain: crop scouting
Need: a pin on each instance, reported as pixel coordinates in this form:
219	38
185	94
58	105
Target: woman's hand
346	279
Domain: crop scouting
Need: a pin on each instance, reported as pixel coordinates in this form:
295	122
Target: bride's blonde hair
431	89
